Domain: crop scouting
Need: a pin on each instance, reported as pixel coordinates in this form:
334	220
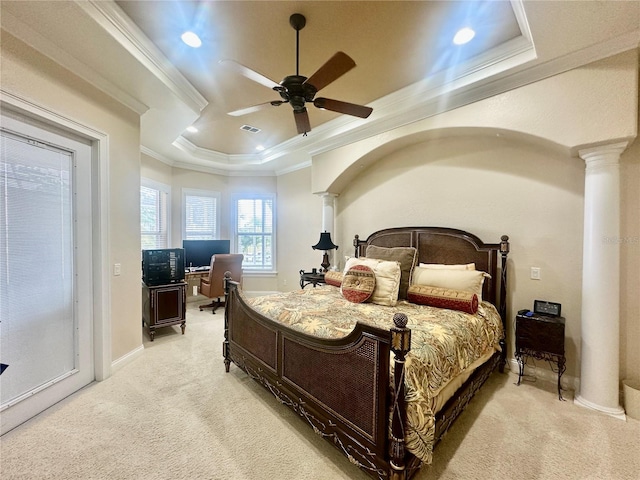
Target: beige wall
29	75
594	104
463	169
488	186
475	180
630	262
299	227
508	164
179	179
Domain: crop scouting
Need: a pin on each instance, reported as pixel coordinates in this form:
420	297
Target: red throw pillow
443	298
358	284
333	278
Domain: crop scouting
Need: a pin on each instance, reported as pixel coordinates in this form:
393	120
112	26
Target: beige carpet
174	414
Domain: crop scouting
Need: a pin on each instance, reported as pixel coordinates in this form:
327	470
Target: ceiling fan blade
333	69
255	108
250	74
302	120
343	107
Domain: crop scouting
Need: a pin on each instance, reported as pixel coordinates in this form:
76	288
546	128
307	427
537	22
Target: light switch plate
535	273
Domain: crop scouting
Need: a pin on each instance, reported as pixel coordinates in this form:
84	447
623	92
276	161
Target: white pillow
466	280
387	279
441	266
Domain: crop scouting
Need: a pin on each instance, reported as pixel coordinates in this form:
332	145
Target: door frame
100	213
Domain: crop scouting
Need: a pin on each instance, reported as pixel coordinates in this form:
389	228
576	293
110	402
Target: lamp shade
325	242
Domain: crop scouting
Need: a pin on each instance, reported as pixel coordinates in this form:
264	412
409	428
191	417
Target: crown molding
113	20
25	33
208	167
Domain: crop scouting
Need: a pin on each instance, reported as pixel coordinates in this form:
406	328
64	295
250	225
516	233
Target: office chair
213	285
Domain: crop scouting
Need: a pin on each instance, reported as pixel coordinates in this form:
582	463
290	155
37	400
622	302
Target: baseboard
126	359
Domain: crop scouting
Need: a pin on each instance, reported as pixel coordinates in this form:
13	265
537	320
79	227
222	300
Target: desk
193	280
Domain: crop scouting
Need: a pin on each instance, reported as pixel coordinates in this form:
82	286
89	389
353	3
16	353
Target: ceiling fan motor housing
295	91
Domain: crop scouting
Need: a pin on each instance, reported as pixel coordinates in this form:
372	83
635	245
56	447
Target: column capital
327	194
603	155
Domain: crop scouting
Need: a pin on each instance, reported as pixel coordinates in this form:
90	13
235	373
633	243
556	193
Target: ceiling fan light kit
298	90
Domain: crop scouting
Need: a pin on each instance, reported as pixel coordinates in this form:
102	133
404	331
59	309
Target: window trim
200	193
163	188
234	227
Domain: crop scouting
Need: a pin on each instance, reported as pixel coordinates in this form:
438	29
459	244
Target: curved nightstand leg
561	368
520	368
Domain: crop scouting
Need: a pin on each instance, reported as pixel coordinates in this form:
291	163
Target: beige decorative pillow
443	298
467	280
466	266
406	256
387	275
358	283
333	278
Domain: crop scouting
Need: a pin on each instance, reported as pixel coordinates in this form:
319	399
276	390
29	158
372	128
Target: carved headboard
450	246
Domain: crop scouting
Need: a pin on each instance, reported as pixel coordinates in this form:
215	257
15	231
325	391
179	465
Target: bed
356	384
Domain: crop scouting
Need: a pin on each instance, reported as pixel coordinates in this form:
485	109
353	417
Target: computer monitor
198	252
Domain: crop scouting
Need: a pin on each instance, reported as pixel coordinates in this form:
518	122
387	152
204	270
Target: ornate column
600	347
328	207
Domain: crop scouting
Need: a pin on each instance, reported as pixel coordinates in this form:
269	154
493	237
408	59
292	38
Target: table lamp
325	244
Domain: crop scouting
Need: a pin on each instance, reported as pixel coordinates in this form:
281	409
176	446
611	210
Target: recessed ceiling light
464	35
260	148
191	39
192	129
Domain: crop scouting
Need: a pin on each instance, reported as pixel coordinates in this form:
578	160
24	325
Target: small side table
164	305
541	337
311	278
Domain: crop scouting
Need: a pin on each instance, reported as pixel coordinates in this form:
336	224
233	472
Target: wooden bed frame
318	378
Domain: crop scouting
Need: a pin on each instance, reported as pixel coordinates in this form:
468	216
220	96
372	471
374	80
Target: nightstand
311	278
541	337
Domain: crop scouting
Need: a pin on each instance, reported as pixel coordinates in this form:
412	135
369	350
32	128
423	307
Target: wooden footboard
340	387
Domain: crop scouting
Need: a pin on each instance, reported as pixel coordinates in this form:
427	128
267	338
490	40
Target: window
154	214
254	219
201	215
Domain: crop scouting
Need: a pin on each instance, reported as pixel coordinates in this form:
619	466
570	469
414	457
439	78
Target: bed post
356	244
225	343
400	346
504	251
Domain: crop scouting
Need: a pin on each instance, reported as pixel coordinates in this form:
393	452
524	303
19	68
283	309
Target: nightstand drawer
542	334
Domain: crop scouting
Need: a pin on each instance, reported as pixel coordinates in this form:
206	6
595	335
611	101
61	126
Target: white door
46	268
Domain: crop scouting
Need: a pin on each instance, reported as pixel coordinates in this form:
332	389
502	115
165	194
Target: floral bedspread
444	343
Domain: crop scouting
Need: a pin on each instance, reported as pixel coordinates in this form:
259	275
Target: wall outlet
284	282
535	273
116	269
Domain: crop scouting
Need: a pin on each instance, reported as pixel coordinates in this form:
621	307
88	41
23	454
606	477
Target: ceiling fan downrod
297	21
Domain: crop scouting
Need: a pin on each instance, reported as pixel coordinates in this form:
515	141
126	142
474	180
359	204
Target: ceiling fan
297	90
